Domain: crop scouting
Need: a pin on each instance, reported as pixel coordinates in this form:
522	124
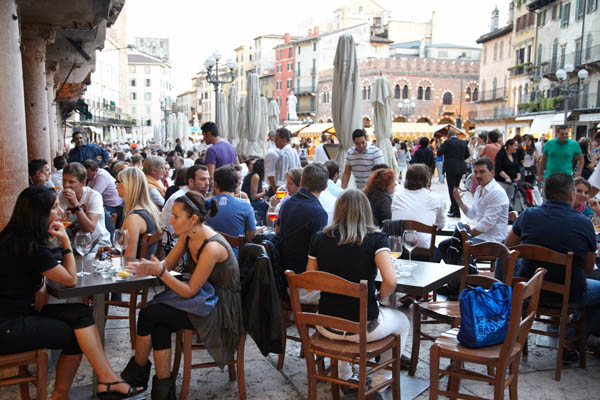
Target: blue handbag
484	315
201	304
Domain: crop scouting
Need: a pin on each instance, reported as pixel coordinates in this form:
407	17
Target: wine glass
83	244
272	216
410	239
396	246
281	192
121	241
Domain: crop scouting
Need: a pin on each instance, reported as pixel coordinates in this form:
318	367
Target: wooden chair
132	305
558	313
318	347
286	322
185	344
397	227
234	241
24	377
498	358
448	312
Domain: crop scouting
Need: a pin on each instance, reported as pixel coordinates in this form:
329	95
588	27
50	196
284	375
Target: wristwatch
76	208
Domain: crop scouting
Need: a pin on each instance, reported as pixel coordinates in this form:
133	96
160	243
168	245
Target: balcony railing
305	90
498	94
579	59
499	112
447	109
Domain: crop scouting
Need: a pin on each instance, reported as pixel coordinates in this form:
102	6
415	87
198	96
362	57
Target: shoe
569	356
404	362
354	379
113	395
136	375
453	215
163	389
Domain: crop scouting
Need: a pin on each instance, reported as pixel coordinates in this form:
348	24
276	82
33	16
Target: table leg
100	321
392	301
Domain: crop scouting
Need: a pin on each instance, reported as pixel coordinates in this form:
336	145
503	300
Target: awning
314	130
541	123
407	130
295	128
442	130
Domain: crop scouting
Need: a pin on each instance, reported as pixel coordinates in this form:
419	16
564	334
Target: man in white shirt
271	162
288	158
197	178
334	172
320	153
56	177
83	206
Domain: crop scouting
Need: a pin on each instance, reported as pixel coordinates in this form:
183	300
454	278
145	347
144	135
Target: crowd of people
326	220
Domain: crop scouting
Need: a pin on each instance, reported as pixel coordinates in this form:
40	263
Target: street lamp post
212	76
565	89
406	108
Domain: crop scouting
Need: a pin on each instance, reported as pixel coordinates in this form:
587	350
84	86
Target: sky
196	29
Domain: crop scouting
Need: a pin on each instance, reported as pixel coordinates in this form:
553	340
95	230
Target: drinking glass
281	192
410	240
83	244
396	246
272	216
120	241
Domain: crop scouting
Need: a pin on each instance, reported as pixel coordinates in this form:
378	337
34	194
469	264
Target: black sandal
113	395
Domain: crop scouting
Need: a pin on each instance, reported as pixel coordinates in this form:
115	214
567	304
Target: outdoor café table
95	286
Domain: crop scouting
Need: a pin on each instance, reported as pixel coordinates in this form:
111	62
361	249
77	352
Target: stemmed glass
396	246
410	239
121	241
83	244
272	216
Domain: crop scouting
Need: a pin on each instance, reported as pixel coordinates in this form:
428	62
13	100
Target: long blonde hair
137	194
352	218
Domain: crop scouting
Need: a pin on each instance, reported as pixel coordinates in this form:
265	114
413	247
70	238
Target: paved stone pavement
264	381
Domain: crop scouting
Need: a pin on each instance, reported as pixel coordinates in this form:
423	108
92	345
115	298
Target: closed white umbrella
273	115
223	122
232	114
253	117
346	100
382	110
111	133
171	128
264	124
241	140
157	138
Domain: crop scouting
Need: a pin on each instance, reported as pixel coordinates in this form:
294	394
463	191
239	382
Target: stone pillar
33	49
13	142
52	123
60	131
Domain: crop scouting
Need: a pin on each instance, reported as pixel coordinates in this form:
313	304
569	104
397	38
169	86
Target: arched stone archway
424	120
446	121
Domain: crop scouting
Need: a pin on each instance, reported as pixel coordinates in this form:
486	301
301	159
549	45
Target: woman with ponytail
210	259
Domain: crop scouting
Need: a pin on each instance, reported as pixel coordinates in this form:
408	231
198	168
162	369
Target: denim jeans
440	170
591	301
108	222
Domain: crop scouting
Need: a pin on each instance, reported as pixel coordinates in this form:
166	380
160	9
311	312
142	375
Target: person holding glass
353	248
210	259
24	312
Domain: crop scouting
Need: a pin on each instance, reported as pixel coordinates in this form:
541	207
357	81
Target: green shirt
560	156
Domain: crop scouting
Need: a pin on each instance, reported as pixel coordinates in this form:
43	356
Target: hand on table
145	267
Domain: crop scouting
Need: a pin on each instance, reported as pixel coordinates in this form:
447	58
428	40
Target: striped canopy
406	130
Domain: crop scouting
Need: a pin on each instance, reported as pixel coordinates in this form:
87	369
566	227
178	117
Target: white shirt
594	179
188	162
420	205
320	154
91	201
490	210
271	161
56	178
333	188
167	211
156	197
288	159
328	200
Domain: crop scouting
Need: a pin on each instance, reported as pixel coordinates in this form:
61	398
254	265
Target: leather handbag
485	315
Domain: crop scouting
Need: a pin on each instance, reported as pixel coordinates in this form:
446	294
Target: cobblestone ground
264	381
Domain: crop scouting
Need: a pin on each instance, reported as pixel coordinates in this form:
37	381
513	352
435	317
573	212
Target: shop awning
442	130
295	128
407	130
541	123
315	130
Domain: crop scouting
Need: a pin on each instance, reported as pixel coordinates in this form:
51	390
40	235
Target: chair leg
132	316
285	317
42	375
241	376
453	381
582	340
561	345
416	344
434	372
335	388
231	371
187	364
24	387
396	369
513	389
312	380
177	356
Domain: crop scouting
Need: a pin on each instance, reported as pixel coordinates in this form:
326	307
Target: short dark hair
77	170
136	158
91	164
417	177
180	177
36	165
485	161
211	128
332	167
59	162
424	142
518	138
284	133
493	136
483	136
119	155
562	128
510	142
379	166
190	152
558	186
226	178
191	172
314	177
358	133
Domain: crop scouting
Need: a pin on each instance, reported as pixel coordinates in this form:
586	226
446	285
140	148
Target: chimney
495	18
309	32
511	11
286	37
316	31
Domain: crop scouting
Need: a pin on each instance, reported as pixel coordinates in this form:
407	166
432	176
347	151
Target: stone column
60	131
13	142
52	122
33	49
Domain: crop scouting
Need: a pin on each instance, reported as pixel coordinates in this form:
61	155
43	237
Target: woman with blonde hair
354	249
141	214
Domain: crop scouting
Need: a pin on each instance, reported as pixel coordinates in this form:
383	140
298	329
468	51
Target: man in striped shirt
360	159
287	159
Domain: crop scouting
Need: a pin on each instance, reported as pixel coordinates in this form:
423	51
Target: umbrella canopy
223	121
171	127
264	124
232	114
156	135
382	110
346	100
253	117
180	125
273	115
241	140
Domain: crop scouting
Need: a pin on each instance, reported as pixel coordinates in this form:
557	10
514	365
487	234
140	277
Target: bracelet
67	251
162	272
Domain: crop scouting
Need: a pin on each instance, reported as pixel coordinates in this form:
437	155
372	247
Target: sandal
113	395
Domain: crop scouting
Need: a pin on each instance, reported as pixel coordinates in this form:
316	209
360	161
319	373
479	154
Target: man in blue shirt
300	217
83	152
235	216
557	226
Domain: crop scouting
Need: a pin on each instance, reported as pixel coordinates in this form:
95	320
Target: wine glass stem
410	257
